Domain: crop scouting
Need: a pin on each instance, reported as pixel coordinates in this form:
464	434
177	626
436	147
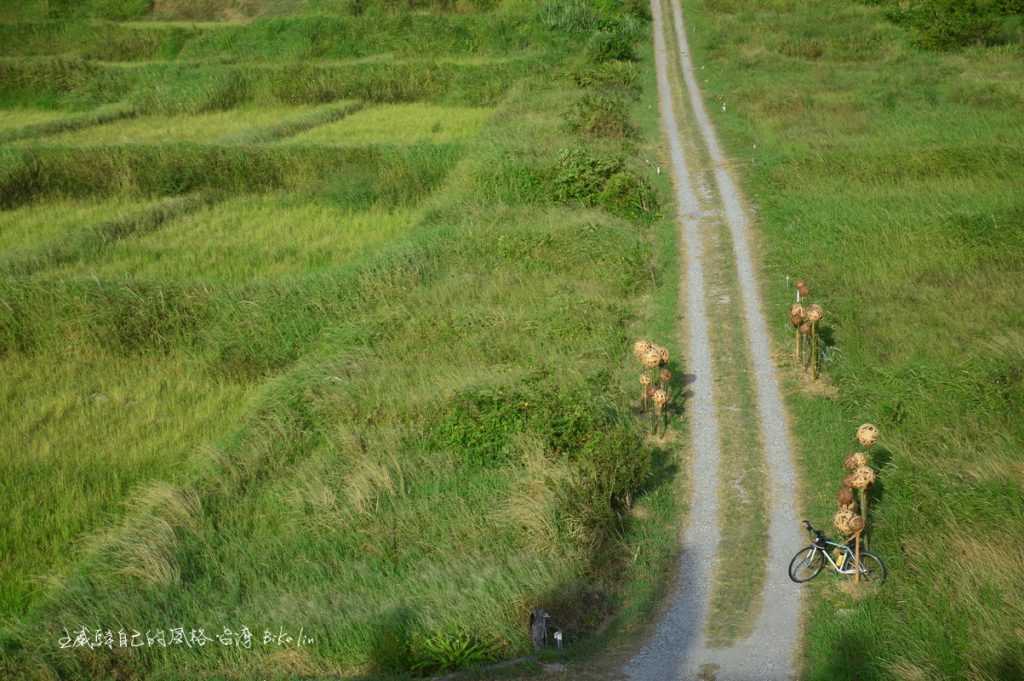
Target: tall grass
885	175
252	237
364	174
426	433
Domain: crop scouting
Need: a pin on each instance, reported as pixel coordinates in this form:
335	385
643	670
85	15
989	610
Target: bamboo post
814	350
863	493
856	558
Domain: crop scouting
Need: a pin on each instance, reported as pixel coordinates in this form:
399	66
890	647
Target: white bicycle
810	560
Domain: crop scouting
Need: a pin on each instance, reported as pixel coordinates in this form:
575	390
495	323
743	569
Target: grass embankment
397	426
889	177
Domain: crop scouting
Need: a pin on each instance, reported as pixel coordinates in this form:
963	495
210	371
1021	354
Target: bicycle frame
850	558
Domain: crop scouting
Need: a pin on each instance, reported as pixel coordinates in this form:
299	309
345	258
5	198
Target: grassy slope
889	178
435	434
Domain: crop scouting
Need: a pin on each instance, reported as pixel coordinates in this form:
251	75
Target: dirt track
678	648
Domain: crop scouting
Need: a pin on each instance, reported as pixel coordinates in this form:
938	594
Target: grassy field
208	127
400	124
252	237
888	176
371	382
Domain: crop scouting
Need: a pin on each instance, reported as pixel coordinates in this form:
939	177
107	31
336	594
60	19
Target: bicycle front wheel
872	569
806	564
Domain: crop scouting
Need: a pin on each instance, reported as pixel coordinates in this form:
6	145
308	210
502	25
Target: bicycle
810	560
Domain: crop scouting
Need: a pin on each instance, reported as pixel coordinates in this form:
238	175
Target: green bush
610	45
600	115
582	178
950	24
630	196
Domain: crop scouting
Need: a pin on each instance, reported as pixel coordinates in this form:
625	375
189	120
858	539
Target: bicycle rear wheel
872	569
806	564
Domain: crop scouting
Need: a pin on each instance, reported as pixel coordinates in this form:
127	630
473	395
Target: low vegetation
887	175
337	346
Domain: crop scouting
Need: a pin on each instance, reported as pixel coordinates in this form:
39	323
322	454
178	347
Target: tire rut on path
678	648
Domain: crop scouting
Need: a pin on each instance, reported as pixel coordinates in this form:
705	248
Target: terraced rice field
314	318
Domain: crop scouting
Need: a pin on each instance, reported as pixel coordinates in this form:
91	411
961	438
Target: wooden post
798	353
863	493
856	561
814	350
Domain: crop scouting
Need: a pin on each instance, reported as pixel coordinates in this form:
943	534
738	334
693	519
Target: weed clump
583	178
621	77
952	24
600	115
605	46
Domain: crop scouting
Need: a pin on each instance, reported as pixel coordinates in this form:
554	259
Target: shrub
600	115
610	45
580	177
583	178
629	196
949	24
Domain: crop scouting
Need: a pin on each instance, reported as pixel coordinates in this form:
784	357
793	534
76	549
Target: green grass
400	124
405	354
84	430
36	224
251	237
18	118
208	127
886	176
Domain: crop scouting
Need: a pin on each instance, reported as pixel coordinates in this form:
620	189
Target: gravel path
678	648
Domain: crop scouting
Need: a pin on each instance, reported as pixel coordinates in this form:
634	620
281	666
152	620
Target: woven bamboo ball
844	496
797	314
855	461
805	328
815	313
842	520
847	507
862	478
650	392
651	358
660	397
867	435
801	286
856	524
645	379
663	355
641	348
665	375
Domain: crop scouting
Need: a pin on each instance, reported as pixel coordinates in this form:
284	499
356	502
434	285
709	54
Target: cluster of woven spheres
842	520
844	496
862	478
641	348
797	314
815	313
855	461
867	435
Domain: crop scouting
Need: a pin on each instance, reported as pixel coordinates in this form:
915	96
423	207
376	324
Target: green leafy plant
600	115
